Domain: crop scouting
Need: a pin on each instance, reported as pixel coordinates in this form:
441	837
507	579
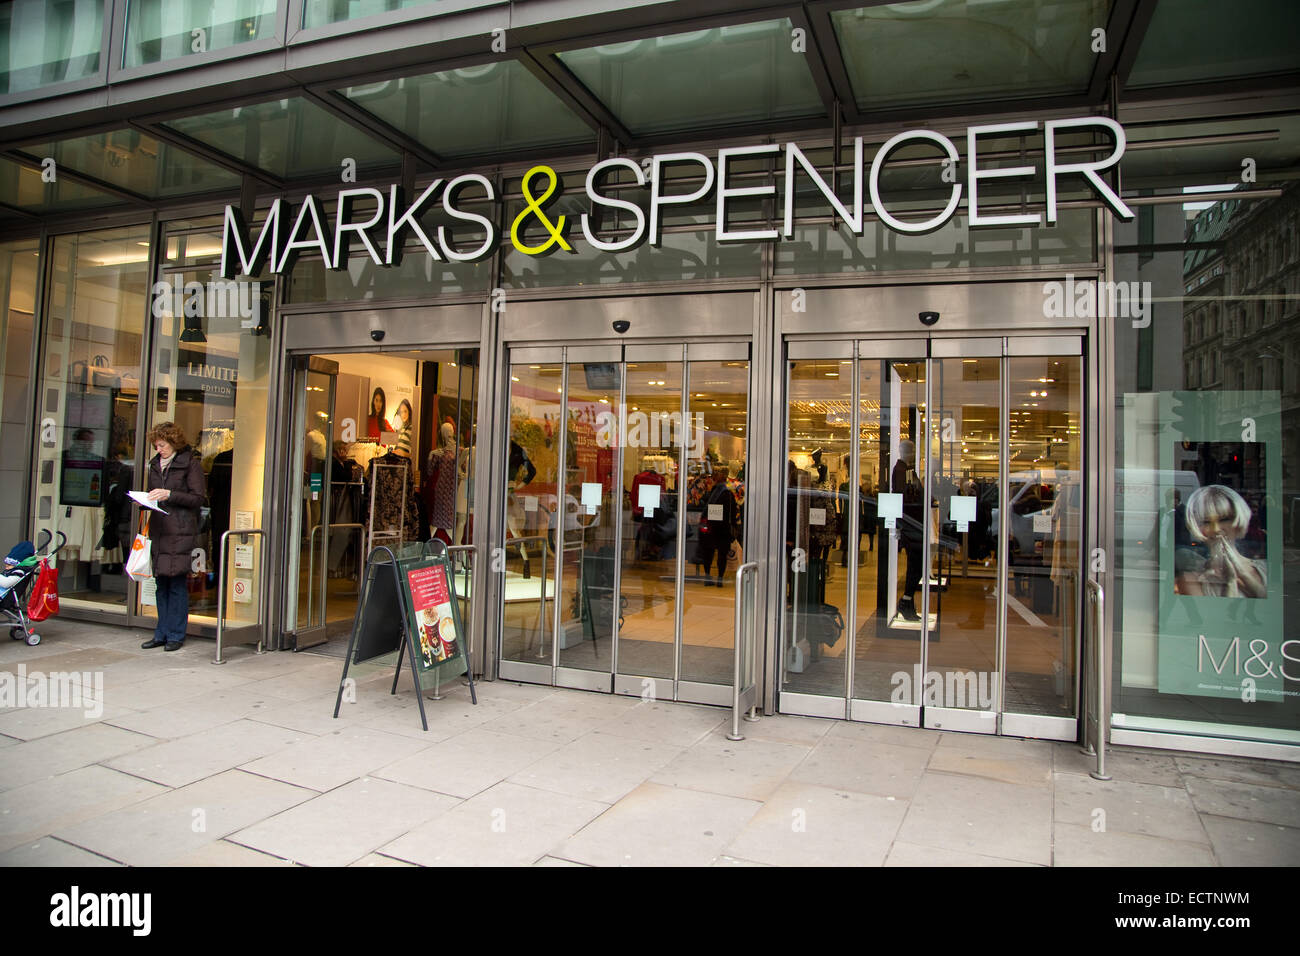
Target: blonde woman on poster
1217	518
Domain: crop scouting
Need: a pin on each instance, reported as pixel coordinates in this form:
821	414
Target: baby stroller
16	579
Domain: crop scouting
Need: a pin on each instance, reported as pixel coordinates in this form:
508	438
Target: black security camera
928	318
621	325
376	330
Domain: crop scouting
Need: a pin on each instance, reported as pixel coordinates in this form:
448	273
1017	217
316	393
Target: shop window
19	269
211	371
87	439
1207	522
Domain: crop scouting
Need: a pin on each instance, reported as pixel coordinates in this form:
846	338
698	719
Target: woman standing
176	482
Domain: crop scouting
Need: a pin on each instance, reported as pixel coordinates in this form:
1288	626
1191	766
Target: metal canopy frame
315	63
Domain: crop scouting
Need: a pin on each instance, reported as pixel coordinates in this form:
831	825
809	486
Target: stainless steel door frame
614	681
939	345
940	348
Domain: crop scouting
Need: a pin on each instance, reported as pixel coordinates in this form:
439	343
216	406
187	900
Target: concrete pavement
174	761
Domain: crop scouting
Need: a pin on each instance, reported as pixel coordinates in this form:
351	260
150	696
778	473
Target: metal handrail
1098	598
737	642
221	590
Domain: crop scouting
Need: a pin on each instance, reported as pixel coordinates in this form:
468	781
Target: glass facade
915	497
19	272
211	376
92	356
1207	459
43	44
158	30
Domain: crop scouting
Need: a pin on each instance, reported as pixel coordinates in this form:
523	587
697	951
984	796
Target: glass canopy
751	72
23	187
134	161
290	138
1194	40
495	107
961	51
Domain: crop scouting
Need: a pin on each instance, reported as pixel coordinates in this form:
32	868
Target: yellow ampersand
534	208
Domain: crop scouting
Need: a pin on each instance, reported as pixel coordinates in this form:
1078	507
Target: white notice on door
715	512
244	556
243	520
1043	522
889	505
648	499
530	502
961	508
591	496
817	516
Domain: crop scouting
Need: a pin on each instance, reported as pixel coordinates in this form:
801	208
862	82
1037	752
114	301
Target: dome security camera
621	325
376	329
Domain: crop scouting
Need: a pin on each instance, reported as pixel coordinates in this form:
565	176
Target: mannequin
440	490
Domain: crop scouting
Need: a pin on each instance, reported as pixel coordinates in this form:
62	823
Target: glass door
964	611
624	511
314	387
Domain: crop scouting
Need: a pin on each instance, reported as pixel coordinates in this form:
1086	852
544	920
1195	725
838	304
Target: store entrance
948	595
381	452
625	517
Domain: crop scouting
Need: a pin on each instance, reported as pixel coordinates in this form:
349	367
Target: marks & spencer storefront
939	358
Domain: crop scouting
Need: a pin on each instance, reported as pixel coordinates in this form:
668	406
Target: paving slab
467	763
187	759
1266	773
225	853
46	757
806	825
1247	843
915	855
30	812
344	825
30	723
202	712
1011	766
1128	807
885	734
1083	846
985	817
677	725
1245	801
48	851
507	825
751	769
1133	766
656	825
175	824
863	766
323	763
601	767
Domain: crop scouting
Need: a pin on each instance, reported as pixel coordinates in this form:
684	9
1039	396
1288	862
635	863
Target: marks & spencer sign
381	231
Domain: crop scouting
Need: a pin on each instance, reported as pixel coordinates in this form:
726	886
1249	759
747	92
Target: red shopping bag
45	595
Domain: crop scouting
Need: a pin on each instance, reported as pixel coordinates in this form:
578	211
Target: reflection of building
1240	320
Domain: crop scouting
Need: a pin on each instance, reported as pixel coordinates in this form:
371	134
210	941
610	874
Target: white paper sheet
889	505
142	498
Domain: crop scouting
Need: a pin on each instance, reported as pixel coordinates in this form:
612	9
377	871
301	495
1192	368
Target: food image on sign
434	617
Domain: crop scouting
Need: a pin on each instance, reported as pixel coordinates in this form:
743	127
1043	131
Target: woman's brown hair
171	434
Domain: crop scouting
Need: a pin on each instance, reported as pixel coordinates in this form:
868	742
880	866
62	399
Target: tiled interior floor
536	775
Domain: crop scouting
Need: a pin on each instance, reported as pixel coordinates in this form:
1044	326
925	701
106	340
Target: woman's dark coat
173	535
